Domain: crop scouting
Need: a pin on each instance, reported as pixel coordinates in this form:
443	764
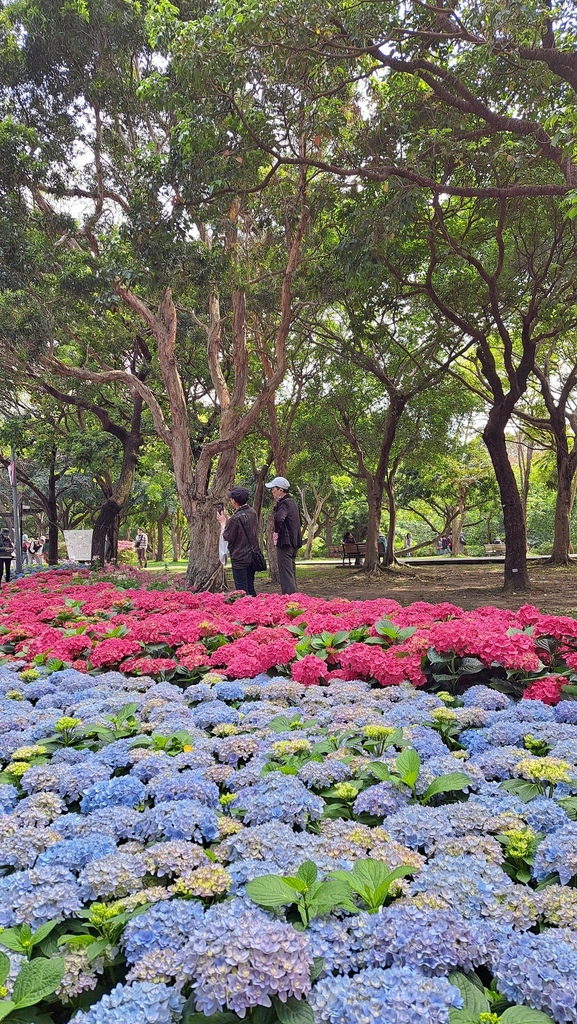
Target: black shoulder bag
258	559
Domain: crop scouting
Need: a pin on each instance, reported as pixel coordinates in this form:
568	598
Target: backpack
5	545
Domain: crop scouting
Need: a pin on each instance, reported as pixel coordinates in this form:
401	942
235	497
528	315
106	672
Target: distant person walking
408	540
6	553
240	531
287	535
141	546
35	548
25	555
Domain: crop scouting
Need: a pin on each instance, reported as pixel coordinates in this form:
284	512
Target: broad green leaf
317	968
524	1015
215	1018
308	872
280	723
260	1015
462	1017
96	948
11	939
330	894
470	666
569	805
474	999
379	770
408	764
526	791
296	883
36	980
271	891
43	931
294	1011
126	712
445	784
340	637
435	658
4	967
6	1007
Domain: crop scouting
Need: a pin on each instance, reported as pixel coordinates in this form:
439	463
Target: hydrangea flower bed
253	839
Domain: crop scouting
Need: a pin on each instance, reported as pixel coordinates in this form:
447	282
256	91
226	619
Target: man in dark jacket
6	553
241	535
287	533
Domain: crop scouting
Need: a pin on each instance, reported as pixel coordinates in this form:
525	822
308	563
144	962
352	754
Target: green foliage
371	880
302	891
405	772
480	1005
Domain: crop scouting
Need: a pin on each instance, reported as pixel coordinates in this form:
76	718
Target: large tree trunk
175	536
390	551
374	499
516	576
160	531
204	571
562	534
52	513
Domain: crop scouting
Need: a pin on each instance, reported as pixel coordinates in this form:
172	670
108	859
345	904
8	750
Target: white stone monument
78	544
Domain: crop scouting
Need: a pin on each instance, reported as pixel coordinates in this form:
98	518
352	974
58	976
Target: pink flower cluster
546	689
92	623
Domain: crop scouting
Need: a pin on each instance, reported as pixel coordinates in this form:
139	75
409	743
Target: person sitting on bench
349	538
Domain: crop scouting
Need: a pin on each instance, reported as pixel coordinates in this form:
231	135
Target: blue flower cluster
162	830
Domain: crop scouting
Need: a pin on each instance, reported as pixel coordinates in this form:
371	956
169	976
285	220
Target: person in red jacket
287	533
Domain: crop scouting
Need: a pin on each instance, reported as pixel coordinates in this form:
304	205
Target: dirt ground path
553	590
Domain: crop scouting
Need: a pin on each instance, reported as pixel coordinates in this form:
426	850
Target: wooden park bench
358	550
495	549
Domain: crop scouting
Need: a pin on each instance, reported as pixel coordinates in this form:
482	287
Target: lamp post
17	537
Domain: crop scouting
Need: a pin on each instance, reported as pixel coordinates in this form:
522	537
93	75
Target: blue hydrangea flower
381	800
400	995
229	690
163	926
179	819
239	957
38	895
540	971
566	711
141	1001
214	712
187	785
124	791
8	798
474	741
558	852
322	774
280	797
271	841
485	697
76	853
416	828
434	941
545	815
116	874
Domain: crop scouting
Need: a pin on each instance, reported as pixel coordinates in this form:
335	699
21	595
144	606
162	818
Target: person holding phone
240	531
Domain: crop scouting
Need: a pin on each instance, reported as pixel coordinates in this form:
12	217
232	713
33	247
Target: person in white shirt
140	546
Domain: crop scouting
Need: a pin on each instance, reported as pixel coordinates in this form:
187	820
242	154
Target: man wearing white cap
287	533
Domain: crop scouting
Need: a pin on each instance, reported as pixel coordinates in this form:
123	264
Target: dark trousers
286	558
243	576
5	568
